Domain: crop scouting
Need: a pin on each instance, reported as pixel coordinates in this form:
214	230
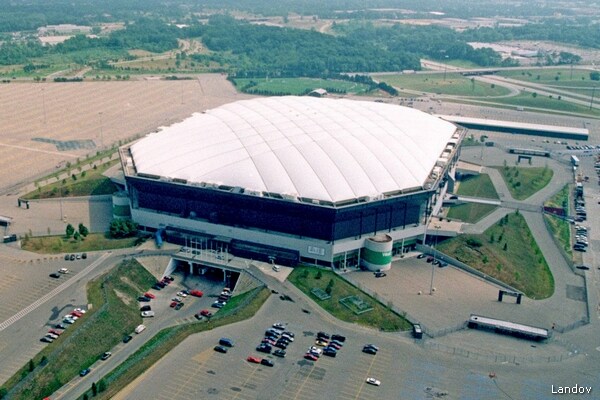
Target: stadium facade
332	182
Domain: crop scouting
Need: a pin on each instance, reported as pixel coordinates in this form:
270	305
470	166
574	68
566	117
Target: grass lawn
60	244
381	317
560	228
552	76
525	181
477	186
471	141
454	84
86	183
528	101
166	340
470	212
506	251
298	86
115	312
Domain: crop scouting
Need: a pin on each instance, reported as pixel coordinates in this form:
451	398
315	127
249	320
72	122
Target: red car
310	357
196	293
206	313
173	304
77	314
149	295
54	332
253	359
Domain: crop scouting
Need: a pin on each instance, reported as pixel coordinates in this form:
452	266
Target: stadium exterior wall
287	217
311	249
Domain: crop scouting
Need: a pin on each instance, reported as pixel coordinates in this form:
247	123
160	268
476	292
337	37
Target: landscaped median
476	186
240	307
523	182
508	252
115	312
344	300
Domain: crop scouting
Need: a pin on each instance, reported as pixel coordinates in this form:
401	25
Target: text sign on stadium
316	250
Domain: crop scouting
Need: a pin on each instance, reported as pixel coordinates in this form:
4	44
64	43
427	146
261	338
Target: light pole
437	228
445	67
101	130
44	104
592	100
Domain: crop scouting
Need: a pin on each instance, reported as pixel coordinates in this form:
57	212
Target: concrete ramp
156	265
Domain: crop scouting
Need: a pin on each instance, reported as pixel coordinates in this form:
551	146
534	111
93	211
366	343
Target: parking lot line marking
246	381
305	380
362	385
51	294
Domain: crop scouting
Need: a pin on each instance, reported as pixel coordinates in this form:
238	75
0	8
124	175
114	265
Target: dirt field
44	124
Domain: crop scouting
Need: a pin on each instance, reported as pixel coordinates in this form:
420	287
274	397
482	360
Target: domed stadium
295	179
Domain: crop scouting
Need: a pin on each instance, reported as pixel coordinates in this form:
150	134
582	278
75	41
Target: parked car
226	342
330	352
181	294
106	355
177	299
60	326
147	314
150	295
376	348
52	335
369	350
323	335
127	338
279	326
417	331
253	359
220	349
156	286
218	304
311	357
179	306
84	256
63	270
196	293
173	304
84	372
55	275
145	308
266	362
279	353
421	255
321	342
55	332
429	259
338	337
264	348
67	257
47	339
380	274
373	381
206	313
143	299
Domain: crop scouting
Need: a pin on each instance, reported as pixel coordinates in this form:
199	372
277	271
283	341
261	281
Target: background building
290	179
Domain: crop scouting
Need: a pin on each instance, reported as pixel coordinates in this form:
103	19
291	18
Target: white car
181	294
81	310
315	350
52	335
147	314
373	381
68	320
71	316
64	270
177	299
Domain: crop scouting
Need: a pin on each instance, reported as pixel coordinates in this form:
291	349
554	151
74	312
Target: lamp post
445	67
437	228
592	100
101	130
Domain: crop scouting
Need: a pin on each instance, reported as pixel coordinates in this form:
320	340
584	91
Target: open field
57	122
298	86
453	84
381	317
506	251
527	100
552	76
470	212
